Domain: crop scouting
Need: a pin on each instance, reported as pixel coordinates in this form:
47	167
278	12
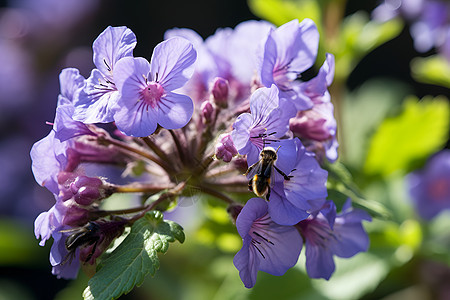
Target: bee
261	172
80	237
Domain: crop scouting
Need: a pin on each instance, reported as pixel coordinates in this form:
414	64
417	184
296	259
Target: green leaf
362	112
279	12
341	186
354	277
134	258
401	141
432	69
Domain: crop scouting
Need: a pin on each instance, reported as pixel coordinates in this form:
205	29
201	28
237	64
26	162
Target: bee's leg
268	193
282	173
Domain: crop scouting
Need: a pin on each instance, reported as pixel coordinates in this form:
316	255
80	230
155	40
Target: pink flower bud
75	216
220	92
83	189
311	125
225	148
207	111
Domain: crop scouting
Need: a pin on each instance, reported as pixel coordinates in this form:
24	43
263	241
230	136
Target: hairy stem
144	154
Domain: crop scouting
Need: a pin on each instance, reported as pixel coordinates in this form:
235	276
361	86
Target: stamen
107	66
258	250
267	240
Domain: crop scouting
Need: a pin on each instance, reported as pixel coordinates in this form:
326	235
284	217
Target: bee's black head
269	153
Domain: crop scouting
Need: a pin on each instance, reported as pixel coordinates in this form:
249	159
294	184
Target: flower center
283	77
152	93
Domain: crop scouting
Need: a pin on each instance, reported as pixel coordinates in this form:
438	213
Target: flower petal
246	264
286	244
319	261
174	110
95	102
130	75
65	127
48	158
136	119
297	44
282	211
173	61
70	82
254	208
241	131
110	46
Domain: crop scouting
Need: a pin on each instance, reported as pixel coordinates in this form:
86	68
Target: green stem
155	148
139	152
180	149
141	188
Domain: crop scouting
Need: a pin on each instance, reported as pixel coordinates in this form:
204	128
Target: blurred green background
390	104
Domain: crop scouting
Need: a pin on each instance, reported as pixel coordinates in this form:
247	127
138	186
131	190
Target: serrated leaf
420	130
134	258
432	69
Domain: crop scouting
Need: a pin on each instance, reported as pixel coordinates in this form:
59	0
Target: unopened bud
207	111
225	148
75	216
83	189
310	125
220	92
234	210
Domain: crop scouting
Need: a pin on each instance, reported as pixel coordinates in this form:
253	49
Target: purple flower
47	222
71	83
49	155
267	246
325	236
430	187
429	21
206	67
316	127
65	264
229	53
100	94
48	159
292	200
288	51
147	96
430	29
237	50
268	121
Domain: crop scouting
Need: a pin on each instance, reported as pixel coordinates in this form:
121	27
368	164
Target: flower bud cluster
192	119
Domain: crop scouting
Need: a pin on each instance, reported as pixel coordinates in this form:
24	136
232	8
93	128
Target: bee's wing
254	169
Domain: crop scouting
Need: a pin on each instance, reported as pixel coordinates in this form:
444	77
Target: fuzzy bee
261	172
80	237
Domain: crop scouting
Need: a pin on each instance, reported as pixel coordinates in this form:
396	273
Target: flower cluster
192	120
430	22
